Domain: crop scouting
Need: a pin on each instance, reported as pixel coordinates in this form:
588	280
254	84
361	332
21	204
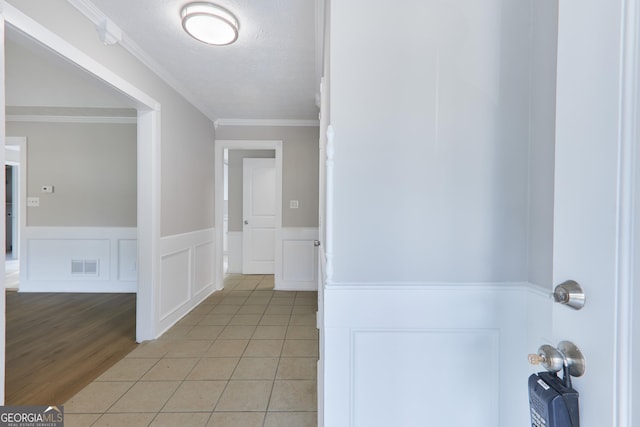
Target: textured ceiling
269	73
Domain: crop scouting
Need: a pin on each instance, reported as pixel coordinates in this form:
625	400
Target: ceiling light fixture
209	23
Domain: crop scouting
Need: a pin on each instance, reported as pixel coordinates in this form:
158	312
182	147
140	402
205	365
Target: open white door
594	212
259	216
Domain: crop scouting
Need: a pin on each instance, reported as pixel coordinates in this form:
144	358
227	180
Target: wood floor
58	343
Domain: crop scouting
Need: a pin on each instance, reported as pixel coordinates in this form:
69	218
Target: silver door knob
246	222
316	243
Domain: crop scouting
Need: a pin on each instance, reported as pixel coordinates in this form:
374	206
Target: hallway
244	357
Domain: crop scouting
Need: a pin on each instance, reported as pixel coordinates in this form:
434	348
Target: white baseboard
78	259
187	274
398	354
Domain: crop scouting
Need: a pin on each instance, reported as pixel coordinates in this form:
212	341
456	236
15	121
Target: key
536	359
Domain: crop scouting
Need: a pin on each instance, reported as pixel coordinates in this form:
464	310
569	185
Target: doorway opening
14	149
245	241
148	161
230	220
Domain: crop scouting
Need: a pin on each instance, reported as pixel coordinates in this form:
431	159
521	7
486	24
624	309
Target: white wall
428	303
438	113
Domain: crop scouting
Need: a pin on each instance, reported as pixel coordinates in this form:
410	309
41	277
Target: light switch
293	204
33	202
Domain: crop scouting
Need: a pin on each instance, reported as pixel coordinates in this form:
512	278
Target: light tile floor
245	357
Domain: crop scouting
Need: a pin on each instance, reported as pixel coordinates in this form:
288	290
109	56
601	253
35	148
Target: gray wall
35	77
235	182
300	167
92	168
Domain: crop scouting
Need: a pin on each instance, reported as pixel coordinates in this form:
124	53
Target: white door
259	216
322	240
593	212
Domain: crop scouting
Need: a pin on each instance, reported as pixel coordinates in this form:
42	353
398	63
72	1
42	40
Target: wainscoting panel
187	274
421	376
78	259
298	270
437	355
204	267
174	287
127	259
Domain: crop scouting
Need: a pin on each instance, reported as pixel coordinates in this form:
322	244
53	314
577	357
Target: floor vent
84	267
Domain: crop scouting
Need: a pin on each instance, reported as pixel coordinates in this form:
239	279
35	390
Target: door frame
21	193
613	148
148	163
220	146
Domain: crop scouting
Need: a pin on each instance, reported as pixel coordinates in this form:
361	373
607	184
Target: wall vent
85	267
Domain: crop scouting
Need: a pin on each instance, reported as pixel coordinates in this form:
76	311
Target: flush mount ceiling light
209	23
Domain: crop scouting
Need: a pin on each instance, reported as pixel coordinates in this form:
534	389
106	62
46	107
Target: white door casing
594	204
21	193
220	146
149	135
259	216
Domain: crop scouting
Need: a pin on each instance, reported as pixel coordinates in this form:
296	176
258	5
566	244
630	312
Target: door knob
316	243
550	358
567	355
246	222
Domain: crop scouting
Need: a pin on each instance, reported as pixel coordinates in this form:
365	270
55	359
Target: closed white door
594	213
259	216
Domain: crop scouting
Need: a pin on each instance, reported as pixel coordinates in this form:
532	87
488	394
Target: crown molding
110	33
265	122
37	118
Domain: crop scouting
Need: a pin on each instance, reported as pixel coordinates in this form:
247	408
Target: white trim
97	17
627	212
70	119
407	286
148	162
3	322
328	224
319	32
22	192
220	146
265	122
149	207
